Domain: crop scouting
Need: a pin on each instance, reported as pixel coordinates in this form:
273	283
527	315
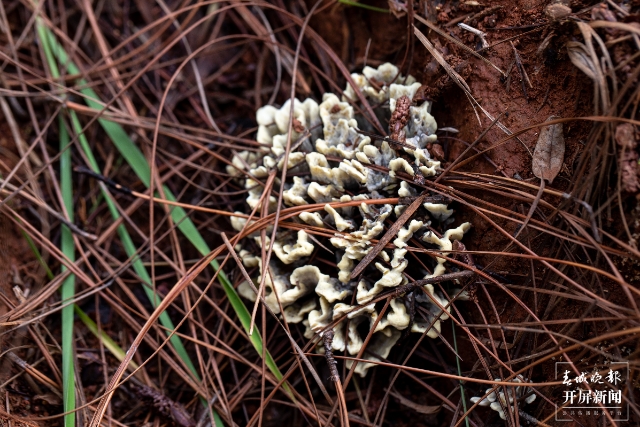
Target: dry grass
184	80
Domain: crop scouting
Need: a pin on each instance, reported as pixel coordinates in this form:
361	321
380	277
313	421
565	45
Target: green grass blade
130	249
46	37
51	48
68	286
108	342
67	289
140	166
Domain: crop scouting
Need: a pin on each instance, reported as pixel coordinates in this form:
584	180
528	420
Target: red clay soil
556	86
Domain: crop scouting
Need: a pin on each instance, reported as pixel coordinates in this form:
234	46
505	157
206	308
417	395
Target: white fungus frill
497	401
331	161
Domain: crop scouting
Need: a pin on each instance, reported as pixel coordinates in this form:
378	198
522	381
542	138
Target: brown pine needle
390	234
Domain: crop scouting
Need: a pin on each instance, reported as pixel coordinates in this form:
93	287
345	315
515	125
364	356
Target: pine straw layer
564	290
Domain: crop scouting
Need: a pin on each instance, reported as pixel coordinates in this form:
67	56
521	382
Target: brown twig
458	43
390	234
400	290
524	78
327	338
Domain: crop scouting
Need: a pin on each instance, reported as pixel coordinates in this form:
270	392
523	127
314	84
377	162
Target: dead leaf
557	11
549	153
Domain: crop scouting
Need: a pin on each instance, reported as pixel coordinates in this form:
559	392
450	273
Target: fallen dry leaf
549	153
547	161
557	11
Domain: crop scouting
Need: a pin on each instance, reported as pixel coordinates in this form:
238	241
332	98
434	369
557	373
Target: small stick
509	75
538	28
456	42
546	96
393	230
477	32
467	259
458	19
111	183
366	52
114	185
412	315
431	199
618	8
438	279
35	373
483	13
518	60
327	338
531	419
16	190
521	70
388	139
521	27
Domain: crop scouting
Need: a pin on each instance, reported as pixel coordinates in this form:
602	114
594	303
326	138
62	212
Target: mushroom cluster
331	160
498	401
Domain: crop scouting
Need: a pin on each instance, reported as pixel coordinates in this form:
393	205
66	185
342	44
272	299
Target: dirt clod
557	11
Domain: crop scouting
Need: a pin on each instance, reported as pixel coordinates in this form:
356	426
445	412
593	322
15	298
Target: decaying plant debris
157	155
